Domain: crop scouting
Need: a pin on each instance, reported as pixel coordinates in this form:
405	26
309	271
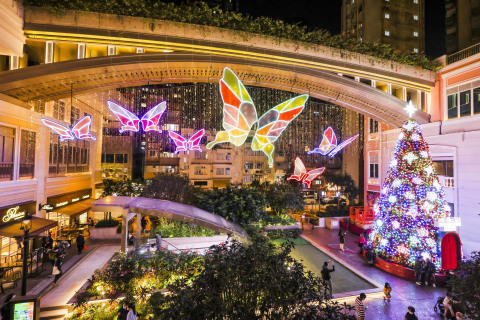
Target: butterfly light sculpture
301	174
328	146
130	122
239	116
183	144
81	130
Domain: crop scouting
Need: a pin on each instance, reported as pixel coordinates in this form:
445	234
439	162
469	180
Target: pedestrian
47	246
430	273
90	222
57	267
341	235
80	243
449	313
158	241
361	243
418	268
5	311
327	279
123	311
411	314
387	292
143	223
302	220
359	307
132	313
131	239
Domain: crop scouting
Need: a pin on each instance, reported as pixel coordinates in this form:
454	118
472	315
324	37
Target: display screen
24	311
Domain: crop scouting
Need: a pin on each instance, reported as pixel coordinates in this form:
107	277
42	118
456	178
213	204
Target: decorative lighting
393	163
396	224
410	157
329	146
415	137
431	196
422	232
183	144
423	154
379	223
392	199
417	180
81	130
409	195
397	183
402	249
428	170
130	122
409	125
410	108
301	174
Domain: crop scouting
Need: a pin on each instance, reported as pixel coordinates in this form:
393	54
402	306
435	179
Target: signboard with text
69	198
16	212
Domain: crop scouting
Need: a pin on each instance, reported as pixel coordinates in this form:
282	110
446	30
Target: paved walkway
404	292
69	283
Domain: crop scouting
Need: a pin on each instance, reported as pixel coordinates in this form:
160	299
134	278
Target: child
387	292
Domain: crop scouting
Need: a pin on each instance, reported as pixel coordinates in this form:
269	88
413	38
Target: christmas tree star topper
410	108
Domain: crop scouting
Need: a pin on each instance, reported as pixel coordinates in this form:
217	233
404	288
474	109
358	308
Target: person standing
132	313
302	220
57	268
430	273
341	236
361	243
411	314
359	307
123	312
158	241
80	243
387	292
131	239
326	275
418	268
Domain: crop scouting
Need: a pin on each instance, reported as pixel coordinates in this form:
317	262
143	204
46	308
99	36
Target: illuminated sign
17	212
61	204
130	122
328	146
75	199
81	130
239	116
69	198
47	207
301	174
183	144
24	311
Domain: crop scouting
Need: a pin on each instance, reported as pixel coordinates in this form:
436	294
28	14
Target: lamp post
26	226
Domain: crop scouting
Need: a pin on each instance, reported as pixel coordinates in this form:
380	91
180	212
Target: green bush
107	223
283	233
179	229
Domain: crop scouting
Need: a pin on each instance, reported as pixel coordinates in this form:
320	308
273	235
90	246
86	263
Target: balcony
447	182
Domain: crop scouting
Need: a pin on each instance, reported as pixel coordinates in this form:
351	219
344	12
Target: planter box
332	223
405	272
104	233
320	222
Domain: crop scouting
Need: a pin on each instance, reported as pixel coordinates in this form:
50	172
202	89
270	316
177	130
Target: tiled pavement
404	292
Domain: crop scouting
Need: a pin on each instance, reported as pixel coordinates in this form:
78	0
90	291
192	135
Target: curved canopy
170	210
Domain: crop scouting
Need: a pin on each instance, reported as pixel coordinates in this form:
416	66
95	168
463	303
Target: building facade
462	22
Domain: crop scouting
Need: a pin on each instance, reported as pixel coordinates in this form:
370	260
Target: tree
284	196
257	281
240	205
343	180
466	286
130	188
168	187
411	200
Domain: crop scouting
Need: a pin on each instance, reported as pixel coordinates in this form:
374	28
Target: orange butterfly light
239	116
301	174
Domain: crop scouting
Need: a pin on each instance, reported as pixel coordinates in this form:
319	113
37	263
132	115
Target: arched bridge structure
129	206
137	54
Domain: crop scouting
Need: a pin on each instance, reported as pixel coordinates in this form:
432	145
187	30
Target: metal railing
462	54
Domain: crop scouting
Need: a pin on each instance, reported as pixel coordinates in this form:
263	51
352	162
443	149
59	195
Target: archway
451	251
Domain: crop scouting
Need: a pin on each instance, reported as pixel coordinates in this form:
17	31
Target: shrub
107	223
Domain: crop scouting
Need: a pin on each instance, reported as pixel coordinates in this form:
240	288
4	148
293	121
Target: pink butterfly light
81	130
183	144
329	146
130	122
301	174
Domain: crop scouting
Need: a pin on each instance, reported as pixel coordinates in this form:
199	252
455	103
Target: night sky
326	14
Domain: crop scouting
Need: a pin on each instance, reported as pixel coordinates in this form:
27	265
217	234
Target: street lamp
26	227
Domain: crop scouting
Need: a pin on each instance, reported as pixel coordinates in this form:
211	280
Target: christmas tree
411	200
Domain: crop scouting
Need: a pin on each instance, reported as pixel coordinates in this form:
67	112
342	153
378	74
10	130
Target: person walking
361	243
132	313
302	220
411	314
47	246
57	268
359	307
123	311
418	268
430	273
80	243
158	241
341	235
326	275
387	292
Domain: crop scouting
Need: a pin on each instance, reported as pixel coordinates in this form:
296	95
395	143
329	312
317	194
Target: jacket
359	308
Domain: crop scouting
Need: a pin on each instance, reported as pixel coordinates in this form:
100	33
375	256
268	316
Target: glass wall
68	156
27	154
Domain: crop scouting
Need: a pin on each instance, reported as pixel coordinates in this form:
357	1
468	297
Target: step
53	313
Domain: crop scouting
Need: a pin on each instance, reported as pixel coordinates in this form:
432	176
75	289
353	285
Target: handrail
463	54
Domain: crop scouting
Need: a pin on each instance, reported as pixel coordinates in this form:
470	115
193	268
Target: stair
53	313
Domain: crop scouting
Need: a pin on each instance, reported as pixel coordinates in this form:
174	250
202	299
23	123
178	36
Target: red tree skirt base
404	272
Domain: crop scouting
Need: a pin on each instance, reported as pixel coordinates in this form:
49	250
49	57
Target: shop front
71	211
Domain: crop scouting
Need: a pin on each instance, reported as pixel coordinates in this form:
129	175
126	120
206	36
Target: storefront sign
69	198
47	207
16	212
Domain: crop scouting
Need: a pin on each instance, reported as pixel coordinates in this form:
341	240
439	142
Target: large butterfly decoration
301	174
130	122
183	144
81	130
329	146
239	115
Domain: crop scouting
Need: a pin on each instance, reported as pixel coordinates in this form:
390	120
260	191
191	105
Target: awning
39	225
74	208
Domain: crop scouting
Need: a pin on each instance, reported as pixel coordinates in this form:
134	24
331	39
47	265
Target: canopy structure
167	209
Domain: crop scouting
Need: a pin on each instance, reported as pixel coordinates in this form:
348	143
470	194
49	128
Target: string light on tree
411	201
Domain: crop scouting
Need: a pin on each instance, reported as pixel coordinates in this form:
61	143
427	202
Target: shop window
452	106
9	250
465	109
27	154
110	158
7	149
476	101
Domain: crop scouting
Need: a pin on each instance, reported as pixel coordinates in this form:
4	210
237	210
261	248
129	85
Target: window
59	110
14	62
373	172
373	126
415	50
49	52
152	153
444	167
69	156
74	115
200	183
27	154
387	15
7	148
259	165
415	33
111	50
415	17
200	170
220	171
476	101
387	33
200	155
452	111
227	171
119	158
248	165
465	109
139	50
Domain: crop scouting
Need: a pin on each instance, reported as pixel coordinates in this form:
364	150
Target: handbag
55	270
85	247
